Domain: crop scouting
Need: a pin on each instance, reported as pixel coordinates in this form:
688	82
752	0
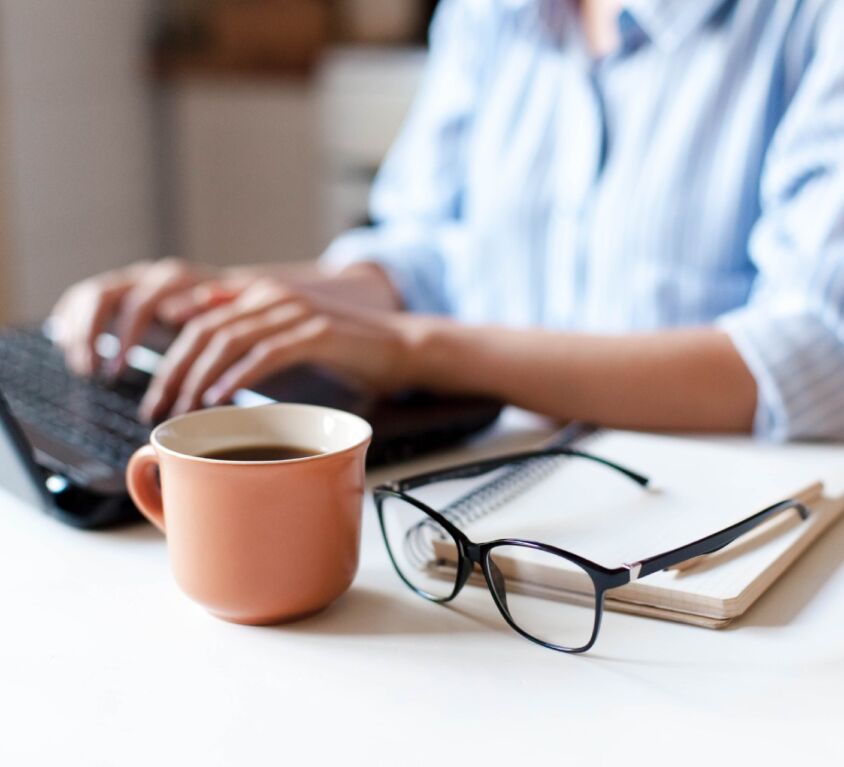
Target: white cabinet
244	170
364	96
271	170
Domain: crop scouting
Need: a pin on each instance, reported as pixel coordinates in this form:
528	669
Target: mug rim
156	444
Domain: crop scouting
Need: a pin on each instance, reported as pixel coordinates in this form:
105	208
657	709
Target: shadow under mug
257	542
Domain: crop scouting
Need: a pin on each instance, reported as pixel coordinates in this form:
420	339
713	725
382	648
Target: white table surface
104	662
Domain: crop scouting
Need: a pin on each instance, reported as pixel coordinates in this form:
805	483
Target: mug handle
145	491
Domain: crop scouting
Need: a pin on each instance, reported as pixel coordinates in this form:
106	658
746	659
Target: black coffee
261	453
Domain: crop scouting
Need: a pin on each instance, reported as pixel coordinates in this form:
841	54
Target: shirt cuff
411	262
798	364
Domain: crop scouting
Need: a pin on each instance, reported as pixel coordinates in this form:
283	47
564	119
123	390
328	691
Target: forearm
363	284
690	379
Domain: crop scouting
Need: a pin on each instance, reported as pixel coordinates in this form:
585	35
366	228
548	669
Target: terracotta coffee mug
257	542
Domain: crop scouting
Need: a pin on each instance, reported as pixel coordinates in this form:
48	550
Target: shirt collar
666	23
669	22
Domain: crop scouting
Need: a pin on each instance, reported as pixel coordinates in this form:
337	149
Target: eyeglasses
436	559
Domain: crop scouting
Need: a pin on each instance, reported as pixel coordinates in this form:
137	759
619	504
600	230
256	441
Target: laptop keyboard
97	418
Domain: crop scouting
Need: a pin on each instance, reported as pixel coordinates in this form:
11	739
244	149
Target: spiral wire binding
513	480
490	496
474	505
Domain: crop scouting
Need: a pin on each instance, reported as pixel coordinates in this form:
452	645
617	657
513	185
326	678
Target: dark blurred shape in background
268	36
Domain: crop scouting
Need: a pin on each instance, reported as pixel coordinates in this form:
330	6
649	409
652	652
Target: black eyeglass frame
603	578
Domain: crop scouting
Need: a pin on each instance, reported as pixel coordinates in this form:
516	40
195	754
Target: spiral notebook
698	486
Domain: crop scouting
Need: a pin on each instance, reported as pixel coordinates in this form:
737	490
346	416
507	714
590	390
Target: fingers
265	329
128	295
198	334
184	305
96	321
165	384
139	306
281	350
228	346
82	314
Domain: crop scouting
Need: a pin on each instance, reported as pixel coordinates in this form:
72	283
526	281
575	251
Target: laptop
65	441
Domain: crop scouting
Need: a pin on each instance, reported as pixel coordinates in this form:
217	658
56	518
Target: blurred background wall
79	158
225	131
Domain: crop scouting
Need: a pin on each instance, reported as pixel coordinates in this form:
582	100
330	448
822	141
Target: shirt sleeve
416	199
791	332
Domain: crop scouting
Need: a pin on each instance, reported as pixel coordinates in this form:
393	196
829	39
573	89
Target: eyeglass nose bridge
472	552
470	555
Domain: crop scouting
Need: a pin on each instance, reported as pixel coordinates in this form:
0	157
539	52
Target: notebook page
699	486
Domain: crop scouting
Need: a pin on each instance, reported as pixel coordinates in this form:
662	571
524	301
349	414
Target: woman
627	214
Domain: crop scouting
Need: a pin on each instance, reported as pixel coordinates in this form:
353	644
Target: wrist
436	354
370	283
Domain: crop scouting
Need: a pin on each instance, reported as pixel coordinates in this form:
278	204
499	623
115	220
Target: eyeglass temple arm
716	541
469	470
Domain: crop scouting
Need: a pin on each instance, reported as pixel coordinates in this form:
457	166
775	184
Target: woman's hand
171	289
269	327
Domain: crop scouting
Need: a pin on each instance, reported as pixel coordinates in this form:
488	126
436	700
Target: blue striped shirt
693	177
